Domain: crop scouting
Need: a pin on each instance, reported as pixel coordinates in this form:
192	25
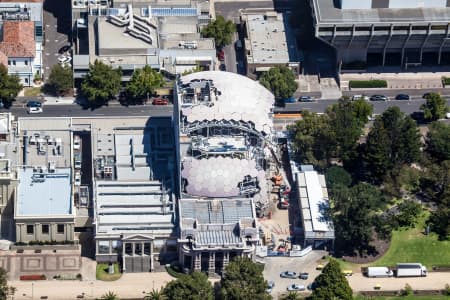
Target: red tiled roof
18	39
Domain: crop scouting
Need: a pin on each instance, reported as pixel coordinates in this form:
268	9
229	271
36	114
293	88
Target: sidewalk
129	286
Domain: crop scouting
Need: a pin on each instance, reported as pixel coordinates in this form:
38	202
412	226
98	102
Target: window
137	249
60	228
9	62
45	228
30	229
26	63
147	248
26	80
14	62
103	247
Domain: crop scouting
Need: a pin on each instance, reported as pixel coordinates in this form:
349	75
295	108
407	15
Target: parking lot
275	265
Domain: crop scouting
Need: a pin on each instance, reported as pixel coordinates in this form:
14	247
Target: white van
358	97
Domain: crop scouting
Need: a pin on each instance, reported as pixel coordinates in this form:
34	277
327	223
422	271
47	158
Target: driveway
57	28
275	265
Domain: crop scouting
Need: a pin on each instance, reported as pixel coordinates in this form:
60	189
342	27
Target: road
378	106
73	110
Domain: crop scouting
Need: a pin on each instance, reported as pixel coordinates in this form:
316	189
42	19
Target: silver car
288	274
295	287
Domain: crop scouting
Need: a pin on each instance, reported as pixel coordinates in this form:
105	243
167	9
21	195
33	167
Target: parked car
295	287
419	116
305	99
402	97
160	101
270	286
238	44
34	110
360	97
304	276
288	274
378	98
447	115
76	142
289	100
221	55
426	95
64	49
34	103
77	178
311	286
320	267
64	59
347	272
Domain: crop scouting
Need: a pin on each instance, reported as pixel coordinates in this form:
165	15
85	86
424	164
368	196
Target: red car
221	55
160	101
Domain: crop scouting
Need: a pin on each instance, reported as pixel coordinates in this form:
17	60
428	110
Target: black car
426	95
33	103
402	97
378	98
64	49
306	99
304	276
419	116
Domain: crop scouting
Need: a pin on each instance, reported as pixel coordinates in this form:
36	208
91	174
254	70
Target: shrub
446	80
368	84
407	290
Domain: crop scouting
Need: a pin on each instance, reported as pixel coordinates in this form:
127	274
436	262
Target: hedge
446	80
370	84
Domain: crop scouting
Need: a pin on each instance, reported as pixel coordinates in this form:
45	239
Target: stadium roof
327	13
238	98
219	176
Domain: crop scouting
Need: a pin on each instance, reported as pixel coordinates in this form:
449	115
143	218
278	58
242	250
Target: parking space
275	265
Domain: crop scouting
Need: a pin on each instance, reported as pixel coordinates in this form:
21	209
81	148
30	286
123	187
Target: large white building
225	129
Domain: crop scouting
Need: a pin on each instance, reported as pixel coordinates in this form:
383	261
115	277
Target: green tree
440	220
394	140
362	110
155	295
189	287
60	80
280	81
347	123
220	30
438	141
409	212
5	289
109	296
314	140
243	280
353	211
10	86
332	284
435	107
337	176
101	83
144	82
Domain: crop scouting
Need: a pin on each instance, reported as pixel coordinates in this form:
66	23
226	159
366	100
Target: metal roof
238	98
219	176
44	194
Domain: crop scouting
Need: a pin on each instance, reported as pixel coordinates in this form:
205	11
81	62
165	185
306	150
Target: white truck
379	272
411	270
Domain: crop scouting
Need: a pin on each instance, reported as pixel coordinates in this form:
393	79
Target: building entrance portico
137	253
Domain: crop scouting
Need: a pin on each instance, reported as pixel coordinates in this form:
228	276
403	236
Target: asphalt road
378	106
73	110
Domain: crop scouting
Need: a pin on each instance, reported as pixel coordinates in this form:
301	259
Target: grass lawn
441	297
32	92
411	245
102	272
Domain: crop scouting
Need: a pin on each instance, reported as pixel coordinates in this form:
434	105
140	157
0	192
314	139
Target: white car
64	60
34	110
295	287
447	115
76	142
77	178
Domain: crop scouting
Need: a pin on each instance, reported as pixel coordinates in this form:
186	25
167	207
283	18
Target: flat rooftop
48	141
44	194
327	13
267	40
